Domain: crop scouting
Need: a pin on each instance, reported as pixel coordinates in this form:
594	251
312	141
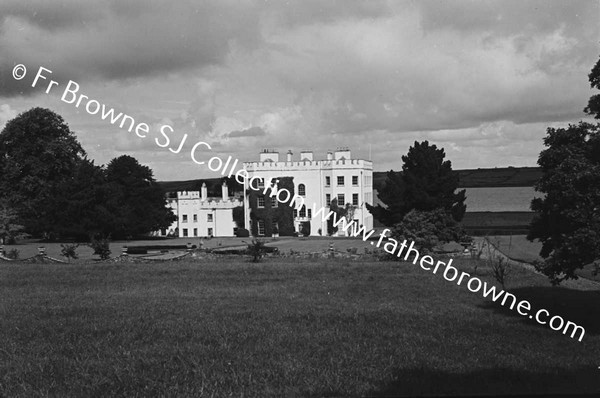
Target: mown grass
334	328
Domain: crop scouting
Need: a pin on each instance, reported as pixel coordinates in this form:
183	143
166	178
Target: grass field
333	328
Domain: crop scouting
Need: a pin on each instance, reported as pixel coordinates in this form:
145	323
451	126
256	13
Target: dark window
355	199
301	190
355	180
340	181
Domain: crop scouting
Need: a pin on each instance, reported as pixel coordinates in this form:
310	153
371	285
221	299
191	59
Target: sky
481	79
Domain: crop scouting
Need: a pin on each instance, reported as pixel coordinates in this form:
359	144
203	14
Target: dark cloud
250	132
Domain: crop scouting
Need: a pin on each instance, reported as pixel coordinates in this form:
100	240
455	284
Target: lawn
282	328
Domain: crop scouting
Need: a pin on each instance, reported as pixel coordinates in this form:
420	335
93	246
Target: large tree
137	199
426	183
38	153
568	216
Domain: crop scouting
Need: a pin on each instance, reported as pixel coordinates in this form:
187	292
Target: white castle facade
201	216
318	182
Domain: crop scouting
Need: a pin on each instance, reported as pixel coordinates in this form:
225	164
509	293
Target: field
285	327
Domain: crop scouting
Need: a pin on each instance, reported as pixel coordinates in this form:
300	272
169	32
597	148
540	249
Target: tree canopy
38	153
567	219
425	183
136	198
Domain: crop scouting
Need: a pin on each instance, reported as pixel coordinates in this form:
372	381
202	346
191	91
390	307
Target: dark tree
426	183
568	217
593	107
38	153
84	204
137	199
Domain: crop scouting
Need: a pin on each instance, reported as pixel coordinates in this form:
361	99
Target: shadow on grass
419	382
580	307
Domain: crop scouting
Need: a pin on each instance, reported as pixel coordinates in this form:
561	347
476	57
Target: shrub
305	228
101	247
256	249
428	229
242	233
13	254
69	251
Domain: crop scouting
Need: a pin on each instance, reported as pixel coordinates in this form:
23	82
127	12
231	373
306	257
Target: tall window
209	218
184	218
355	199
340	181
309	213
274	202
327	181
355	181
341	199
327	199
195	219
261	227
185	232
301	190
275	226
261	201
295	213
195	231
210	232
303	212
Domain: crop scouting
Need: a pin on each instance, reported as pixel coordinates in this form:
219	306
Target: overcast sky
482	79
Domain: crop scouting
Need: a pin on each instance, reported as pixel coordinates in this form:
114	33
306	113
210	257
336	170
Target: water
500	199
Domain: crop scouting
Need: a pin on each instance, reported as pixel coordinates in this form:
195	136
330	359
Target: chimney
204	191
225	191
306	155
269	155
329	155
342	153
289	155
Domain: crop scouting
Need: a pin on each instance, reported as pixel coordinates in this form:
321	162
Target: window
261	182
355	199
340	181
301	190
209	218
295	213
341	200
303	212
261	227
327	181
261	201
185	232
195	219
274	202
275	227
327	199
210	232
355	181
184	218
195	231
309	213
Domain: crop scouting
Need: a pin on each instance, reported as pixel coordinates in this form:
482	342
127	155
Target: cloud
475	76
254	131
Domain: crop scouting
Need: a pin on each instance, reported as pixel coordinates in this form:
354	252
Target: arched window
301	190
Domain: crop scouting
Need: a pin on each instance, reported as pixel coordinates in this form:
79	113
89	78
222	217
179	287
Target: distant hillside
478	178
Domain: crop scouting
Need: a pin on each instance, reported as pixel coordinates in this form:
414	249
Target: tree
426	183
567	219
136	198
428	229
84	205
593	107
10	229
38	153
